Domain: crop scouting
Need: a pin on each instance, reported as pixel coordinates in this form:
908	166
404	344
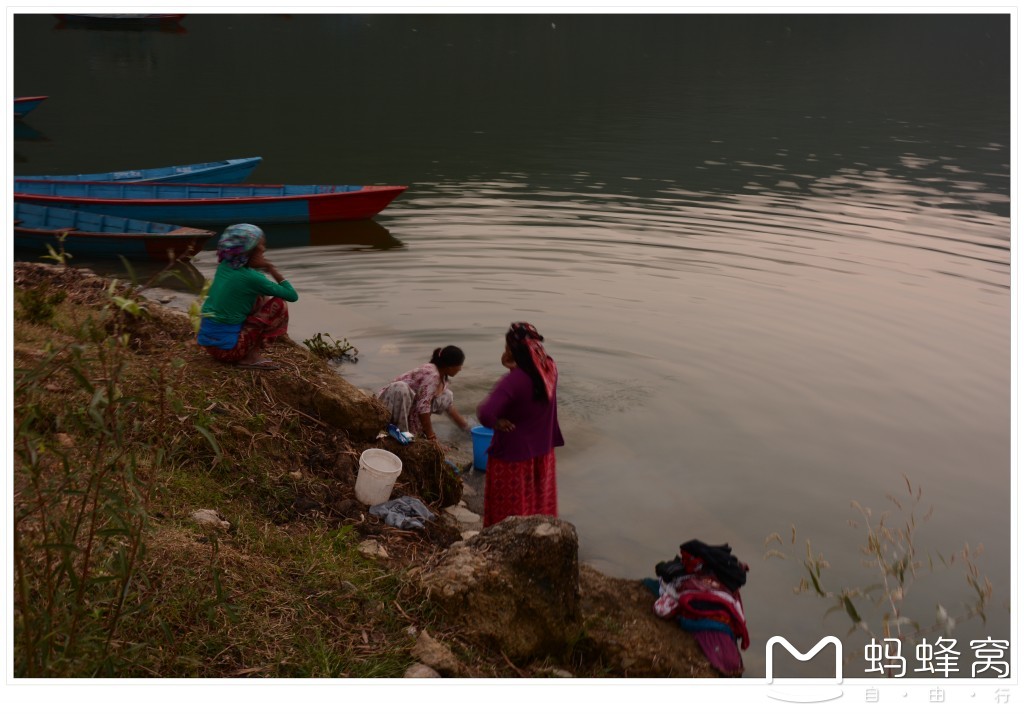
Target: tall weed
895	562
84	473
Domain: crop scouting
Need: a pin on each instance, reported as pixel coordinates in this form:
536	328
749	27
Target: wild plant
891	555
333	350
89	447
79	512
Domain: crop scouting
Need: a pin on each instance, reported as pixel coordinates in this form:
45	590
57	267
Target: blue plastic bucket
481	441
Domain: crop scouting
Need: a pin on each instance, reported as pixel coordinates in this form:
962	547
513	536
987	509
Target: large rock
625	637
514	586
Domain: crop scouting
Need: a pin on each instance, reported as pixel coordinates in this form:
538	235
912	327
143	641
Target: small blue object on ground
400	436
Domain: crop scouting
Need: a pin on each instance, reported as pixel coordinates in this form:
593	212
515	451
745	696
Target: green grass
131	442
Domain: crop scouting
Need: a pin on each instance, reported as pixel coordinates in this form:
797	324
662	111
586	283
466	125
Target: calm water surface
771	255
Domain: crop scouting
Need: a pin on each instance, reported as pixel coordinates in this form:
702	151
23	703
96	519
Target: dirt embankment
120	418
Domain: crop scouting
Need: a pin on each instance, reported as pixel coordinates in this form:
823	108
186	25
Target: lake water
770	254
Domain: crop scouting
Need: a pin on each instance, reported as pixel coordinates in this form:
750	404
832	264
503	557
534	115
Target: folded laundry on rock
700	589
702	596
403	513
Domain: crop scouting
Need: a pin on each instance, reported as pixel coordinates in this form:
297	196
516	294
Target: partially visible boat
223	171
124	19
90	235
205	205
25	105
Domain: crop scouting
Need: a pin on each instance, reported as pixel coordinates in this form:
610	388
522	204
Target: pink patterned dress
419	391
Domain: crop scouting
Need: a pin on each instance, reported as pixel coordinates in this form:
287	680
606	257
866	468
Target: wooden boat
25	105
123	19
227	171
91	235
212	205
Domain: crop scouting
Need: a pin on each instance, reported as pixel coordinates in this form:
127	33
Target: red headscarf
526	336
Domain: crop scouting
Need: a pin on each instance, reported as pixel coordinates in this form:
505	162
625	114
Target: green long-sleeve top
235	289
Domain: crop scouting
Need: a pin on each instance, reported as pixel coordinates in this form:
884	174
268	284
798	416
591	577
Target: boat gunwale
195	233
251	199
195	168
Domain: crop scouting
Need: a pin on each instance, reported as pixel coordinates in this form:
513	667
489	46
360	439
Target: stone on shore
437	656
210	519
421	671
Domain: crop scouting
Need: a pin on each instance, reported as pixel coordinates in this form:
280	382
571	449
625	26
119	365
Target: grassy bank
122	430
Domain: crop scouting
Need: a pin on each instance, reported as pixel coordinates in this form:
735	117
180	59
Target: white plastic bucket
378	470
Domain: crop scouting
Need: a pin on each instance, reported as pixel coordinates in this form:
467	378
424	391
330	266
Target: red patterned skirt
520	488
268	321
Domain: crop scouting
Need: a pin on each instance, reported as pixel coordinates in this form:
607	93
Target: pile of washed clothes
700	589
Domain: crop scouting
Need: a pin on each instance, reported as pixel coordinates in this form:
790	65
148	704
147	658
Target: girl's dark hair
450	356
524	360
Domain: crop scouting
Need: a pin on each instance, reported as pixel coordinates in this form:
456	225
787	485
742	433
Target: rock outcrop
514	586
517	587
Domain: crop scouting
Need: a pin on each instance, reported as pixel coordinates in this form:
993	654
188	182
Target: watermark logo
810	690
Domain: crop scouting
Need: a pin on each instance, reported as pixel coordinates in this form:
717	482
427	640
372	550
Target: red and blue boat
86	234
217	205
25	105
222	171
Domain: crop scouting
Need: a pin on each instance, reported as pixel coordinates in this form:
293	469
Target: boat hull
224	171
84	234
25	105
202	205
122	19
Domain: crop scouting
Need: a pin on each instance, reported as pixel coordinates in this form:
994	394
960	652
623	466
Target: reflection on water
771	254
25	132
357	236
366	235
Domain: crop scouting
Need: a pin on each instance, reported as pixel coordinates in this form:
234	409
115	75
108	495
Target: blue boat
90	235
212	205
226	171
25	105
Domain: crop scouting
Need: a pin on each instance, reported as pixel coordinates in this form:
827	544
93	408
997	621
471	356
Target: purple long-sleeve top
536	421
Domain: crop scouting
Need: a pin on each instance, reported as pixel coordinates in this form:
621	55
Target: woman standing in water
522	409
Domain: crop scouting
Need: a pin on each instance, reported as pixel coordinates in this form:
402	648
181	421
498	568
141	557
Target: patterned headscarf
527	337
236	242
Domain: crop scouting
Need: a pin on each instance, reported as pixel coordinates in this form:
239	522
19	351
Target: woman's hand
458	419
259	261
272	271
504	425
507	360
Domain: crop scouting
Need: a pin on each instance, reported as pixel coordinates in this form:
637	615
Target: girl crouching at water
412	397
244	309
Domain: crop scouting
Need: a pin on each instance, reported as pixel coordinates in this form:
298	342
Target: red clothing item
266	323
536	421
519	489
